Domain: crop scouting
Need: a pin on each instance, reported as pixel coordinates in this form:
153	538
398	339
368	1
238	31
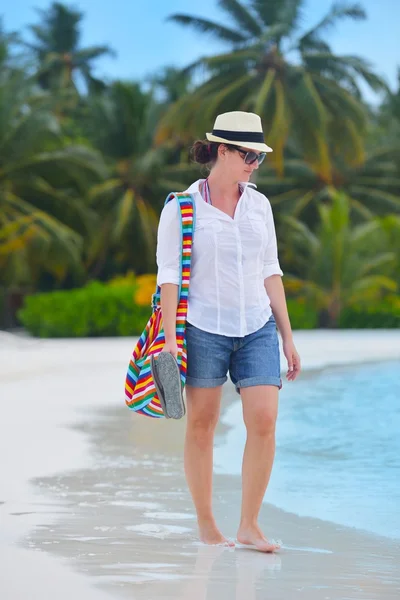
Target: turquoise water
338	447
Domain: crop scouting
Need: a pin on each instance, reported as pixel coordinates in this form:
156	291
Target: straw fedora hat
240	129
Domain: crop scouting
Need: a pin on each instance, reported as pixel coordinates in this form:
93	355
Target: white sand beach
93	502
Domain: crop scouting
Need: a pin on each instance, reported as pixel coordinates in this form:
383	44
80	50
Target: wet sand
89	488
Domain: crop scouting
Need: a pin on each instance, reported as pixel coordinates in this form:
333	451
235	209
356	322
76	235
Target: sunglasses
250	157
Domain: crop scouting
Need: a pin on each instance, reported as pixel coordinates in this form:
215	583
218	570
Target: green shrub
93	311
100	310
302	315
385	315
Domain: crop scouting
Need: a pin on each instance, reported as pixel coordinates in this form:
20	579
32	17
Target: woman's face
234	162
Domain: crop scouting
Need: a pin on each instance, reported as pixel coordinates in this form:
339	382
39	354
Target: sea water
338	447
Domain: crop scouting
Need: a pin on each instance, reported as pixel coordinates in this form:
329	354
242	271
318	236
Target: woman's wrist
170	332
285	332
169	303
170	338
287	338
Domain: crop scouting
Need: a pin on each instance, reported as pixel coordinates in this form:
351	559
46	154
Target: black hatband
240	136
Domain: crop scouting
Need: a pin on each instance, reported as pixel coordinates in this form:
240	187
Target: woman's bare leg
260	410
203	409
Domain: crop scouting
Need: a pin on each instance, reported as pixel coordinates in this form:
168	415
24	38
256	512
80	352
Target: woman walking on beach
236	302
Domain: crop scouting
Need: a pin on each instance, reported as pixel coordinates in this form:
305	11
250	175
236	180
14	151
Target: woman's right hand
171	347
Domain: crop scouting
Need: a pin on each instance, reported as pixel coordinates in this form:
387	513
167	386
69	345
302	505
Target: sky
145	42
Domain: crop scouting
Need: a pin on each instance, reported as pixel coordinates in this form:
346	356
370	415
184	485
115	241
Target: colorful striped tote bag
140	392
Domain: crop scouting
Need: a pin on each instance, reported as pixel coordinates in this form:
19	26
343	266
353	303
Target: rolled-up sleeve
271	261
169	245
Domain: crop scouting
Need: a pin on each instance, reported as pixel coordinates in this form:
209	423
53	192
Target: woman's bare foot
253	536
211	535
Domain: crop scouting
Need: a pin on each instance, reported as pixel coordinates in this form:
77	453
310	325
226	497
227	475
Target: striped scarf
140	391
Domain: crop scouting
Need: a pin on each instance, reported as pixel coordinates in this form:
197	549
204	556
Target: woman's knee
262	423
203	408
260	411
202	421
200	430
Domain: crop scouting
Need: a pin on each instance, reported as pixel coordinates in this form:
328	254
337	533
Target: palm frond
338	12
309	289
374	282
274	34
86	55
273	12
309	102
302	202
347	141
311	240
361	209
123	212
284	197
218	99
94	85
64	205
376	262
364	68
242	16
47	232
14	235
265	89
206	26
311	45
342	66
364	231
292	14
377	196
280	127
339	101
148	220
184	117
104	189
309	118
379	179
242	56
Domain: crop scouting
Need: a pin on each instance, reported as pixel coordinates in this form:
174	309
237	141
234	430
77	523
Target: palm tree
171	83
392	104
120	123
391	230
292	79
385	120
7	41
373	188
61	59
339	265
43	185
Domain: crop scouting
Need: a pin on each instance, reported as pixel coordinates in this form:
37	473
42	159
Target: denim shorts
251	360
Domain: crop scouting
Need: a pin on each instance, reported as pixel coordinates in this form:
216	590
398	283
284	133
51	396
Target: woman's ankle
248	523
206	520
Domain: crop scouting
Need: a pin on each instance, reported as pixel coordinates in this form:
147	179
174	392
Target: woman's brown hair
204	152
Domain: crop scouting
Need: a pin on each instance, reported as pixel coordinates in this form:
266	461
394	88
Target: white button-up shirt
231	258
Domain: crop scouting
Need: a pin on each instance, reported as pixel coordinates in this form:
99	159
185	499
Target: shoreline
43	416
339	347
133	529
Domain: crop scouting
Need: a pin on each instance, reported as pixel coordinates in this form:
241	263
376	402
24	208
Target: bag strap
186	204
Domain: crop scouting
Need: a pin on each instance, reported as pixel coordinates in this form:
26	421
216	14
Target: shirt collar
194	188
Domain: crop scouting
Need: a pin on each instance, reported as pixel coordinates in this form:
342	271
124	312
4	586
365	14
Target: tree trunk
334	311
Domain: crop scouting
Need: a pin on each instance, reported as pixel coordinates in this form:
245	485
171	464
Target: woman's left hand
293	360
